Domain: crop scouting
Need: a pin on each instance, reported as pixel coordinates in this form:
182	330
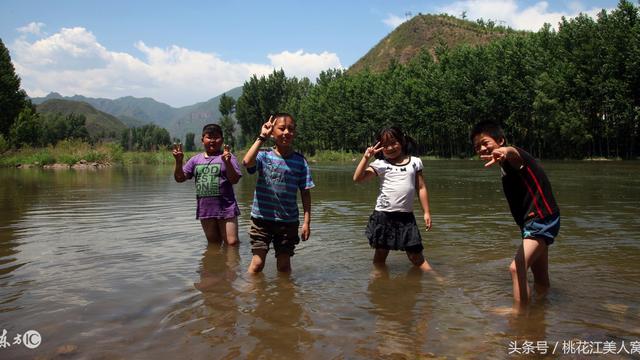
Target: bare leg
211	230
380	257
283	263
418	260
257	261
540	269
228	228
527	254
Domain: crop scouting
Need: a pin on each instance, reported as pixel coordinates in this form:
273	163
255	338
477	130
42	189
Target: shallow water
112	264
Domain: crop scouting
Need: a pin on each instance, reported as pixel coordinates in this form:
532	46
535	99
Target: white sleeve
417	164
378	166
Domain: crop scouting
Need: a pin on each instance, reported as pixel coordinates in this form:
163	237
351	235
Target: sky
184	52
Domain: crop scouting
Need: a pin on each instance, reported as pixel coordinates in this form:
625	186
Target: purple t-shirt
214	192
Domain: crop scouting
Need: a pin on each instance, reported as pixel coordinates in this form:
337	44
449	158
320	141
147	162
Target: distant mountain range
426	32
133	111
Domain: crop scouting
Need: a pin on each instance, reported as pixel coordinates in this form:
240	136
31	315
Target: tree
227	105
12	98
189	142
26	130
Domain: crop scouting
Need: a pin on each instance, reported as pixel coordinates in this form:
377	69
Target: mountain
98	123
192	118
426	32
139	111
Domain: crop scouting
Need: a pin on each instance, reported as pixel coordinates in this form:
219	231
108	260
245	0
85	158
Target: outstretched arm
178	173
363	171
249	159
306	207
423	196
502	154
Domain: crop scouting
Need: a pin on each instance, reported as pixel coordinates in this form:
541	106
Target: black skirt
394	231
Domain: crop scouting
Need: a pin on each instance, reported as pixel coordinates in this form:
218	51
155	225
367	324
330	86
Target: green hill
98	122
426	32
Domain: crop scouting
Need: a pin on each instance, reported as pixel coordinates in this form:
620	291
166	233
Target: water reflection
280	322
401	326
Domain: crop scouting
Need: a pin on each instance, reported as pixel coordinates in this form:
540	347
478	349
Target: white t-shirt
397	184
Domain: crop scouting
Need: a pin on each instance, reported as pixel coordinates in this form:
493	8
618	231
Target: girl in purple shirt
215	172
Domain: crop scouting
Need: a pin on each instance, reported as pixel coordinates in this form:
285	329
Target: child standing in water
392	226
533	207
282	172
215	172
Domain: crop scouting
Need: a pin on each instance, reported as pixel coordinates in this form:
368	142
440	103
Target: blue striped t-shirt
279	179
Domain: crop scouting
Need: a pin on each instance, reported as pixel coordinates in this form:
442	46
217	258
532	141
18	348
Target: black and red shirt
528	190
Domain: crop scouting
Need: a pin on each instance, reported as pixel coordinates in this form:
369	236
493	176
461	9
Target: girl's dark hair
487	127
407	143
212	129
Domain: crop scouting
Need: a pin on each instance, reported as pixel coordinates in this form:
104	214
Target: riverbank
80	155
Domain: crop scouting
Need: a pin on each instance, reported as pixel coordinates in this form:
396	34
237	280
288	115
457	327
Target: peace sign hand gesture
177	152
372	150
267	127
226	153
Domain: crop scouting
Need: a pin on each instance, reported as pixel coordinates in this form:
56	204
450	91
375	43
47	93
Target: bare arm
363	171
306	208
249	159
178	155
423	196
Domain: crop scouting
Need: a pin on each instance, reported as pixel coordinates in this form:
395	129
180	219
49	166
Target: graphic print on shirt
208	180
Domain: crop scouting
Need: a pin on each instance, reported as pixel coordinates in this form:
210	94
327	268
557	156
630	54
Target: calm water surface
112	264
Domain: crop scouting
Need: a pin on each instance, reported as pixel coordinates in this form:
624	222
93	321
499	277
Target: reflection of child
274	214
215	173
528	192
392	226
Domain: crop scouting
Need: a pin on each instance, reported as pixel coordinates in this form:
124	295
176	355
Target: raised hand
496	156
226	153
372	150
177	152
267	127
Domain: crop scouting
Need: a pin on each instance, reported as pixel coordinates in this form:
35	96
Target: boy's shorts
546	229
283	234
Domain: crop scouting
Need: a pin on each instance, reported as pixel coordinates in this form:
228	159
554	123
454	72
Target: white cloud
301	64
31	28
393	21
507	12
72	61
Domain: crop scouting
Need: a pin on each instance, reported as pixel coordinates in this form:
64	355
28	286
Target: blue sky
183	52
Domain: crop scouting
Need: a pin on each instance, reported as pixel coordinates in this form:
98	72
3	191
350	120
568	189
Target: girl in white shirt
392	226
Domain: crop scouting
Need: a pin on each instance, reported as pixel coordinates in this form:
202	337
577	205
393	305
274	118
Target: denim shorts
546	229
284	235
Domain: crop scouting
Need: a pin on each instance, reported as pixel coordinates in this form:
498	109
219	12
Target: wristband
261	138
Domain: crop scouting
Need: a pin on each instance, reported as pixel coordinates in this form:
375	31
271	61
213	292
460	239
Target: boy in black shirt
532	205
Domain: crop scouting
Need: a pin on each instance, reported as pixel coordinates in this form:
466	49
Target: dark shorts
394	231
284	236
546	229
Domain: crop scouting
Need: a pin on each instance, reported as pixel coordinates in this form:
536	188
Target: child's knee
513	269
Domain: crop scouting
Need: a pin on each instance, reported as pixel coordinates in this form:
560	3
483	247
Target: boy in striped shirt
282	172
532	204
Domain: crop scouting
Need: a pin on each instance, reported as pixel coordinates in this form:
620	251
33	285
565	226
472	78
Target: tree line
567	93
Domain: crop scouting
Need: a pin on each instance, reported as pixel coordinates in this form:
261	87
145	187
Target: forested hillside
570	93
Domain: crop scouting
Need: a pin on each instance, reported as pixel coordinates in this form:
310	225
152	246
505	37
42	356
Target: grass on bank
72	151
